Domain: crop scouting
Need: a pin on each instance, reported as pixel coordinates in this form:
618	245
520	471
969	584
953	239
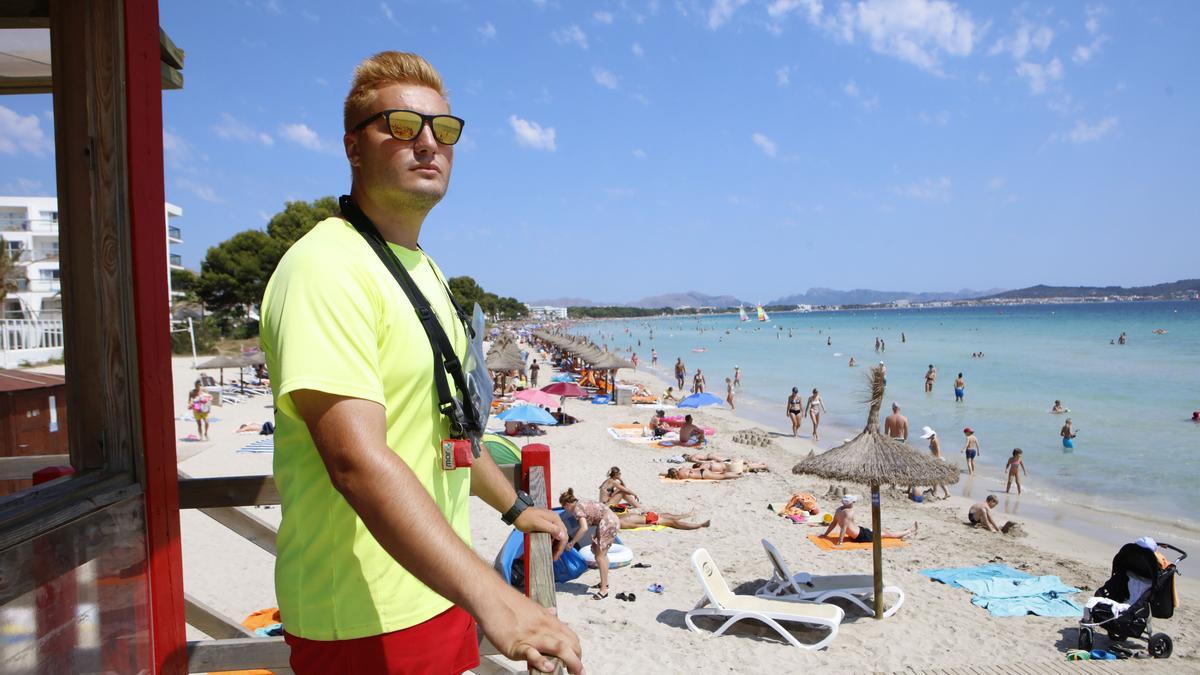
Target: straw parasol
872	458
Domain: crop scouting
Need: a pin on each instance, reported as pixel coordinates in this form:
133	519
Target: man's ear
350	142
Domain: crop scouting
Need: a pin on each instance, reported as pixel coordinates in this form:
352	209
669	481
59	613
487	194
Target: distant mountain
687	299
564	302
1173	289
864	296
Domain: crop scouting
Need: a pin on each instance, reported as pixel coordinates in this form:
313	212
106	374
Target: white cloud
273	7
21	133
603	17
176	151
309	15
1085	53
767	145
532	134
569	35
233	129
940	118
996	183
1040	76
637	50
302	135
1086	133
387	12
200	190
919	32
1093	14
783	76
488	31
639	153
721	11
21	186
851	89
928	189
1027	38
604	78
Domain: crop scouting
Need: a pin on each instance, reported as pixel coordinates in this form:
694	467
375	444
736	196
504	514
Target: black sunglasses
405	125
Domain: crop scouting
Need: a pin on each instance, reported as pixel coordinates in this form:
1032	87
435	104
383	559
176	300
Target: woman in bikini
727	466
795	410
607	525
686	473
613	490
814	407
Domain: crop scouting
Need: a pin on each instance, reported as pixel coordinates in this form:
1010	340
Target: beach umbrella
502	450
564	377
536	397
564	389
220	363
873	459
529	414
699	400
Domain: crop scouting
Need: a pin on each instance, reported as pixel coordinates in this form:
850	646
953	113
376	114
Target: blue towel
953	575
1041	605
260	446
1017	588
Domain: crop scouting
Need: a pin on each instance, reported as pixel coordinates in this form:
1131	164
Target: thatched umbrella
873	458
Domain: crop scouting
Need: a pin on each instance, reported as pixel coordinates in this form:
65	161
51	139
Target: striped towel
261	445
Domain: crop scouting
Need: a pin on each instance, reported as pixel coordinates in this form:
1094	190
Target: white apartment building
546	313
29	230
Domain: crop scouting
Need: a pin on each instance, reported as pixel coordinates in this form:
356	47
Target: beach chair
720	602
856	588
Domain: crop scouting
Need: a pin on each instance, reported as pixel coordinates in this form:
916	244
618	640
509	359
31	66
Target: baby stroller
1140	588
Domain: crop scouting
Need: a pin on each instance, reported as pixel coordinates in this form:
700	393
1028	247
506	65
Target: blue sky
620	149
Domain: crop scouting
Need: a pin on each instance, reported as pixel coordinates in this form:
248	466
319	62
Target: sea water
1137	452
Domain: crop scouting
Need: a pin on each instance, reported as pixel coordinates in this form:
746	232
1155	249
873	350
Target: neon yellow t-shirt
335	320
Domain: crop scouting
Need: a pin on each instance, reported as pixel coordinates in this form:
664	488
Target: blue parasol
699	401
529	414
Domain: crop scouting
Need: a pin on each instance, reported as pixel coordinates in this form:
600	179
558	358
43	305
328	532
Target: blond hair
381	70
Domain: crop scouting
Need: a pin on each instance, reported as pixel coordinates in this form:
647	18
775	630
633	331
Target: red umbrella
564	389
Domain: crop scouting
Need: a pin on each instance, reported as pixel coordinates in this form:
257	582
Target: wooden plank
22	468
512	472
25	14
33	512
247	525
238	654
226	491
541	564
170	77
168	52
25	85
211	622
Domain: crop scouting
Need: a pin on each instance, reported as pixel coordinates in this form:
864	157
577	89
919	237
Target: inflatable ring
619	555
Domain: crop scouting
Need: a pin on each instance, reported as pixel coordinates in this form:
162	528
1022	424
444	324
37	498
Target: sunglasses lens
447	130
405	125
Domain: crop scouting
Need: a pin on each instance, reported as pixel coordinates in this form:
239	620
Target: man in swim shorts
843	518
980	514
1068	435
896	425
971	449
960	387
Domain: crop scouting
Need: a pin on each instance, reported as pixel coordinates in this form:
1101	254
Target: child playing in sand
1014	465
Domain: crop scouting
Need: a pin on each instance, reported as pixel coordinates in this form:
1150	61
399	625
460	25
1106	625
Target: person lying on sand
730	466
676	521
843	519
686	473
705	457
980	514
613	490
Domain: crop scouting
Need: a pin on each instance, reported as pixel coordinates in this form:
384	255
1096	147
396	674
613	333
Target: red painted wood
143	99
534	454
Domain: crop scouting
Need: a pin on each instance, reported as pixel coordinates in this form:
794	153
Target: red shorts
444	644
651	518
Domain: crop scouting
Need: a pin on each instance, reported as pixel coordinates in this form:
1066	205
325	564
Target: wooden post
877	549
534	455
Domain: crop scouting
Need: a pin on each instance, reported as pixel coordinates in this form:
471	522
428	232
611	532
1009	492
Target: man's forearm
489	484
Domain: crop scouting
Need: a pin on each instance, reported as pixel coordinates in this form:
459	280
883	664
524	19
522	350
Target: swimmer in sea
1058	408
1068	435
852	363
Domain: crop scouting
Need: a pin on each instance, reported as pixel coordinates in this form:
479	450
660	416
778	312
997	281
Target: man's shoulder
329	240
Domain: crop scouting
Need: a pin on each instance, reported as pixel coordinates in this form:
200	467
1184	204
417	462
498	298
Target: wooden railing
223	499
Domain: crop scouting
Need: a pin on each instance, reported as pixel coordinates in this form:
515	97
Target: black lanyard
464	419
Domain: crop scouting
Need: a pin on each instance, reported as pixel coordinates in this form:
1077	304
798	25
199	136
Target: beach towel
830	543
645	528
1043	596
262	445
664	479
952	576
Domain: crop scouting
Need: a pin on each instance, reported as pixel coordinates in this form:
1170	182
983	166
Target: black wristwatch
523	502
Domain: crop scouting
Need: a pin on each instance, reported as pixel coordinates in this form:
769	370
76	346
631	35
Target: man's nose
425	143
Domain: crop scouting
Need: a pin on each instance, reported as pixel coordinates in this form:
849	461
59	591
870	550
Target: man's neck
397	225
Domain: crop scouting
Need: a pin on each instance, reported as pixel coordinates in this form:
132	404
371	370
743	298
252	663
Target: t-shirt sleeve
324	324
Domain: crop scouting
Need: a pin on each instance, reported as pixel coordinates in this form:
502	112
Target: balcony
174	234
175	260
39	285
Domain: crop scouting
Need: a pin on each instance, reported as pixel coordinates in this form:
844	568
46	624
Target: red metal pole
143	100
534	454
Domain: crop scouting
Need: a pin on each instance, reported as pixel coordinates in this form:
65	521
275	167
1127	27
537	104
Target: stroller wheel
1160	645
1085	639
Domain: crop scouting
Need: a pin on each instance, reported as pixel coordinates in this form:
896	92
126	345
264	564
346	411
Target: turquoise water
1131	405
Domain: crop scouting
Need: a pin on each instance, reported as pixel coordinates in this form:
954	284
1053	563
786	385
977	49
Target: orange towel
830	543
259	619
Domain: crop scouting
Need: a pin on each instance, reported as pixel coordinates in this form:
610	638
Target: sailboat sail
742	314
762	315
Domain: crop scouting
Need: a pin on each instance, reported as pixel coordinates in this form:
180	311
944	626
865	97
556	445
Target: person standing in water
935	449
1068	435
653	357
930	378
729	393
1014	465
960	388
795	410
680	372
814	407
971	450
737	376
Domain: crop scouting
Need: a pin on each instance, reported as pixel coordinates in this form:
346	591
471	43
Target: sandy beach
937	627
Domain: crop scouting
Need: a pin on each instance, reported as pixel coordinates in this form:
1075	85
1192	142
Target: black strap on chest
465	420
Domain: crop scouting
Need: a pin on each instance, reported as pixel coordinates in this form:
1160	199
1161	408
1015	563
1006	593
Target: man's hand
522	630
535	519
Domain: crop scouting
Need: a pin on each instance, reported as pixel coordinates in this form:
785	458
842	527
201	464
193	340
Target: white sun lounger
719	601
856	588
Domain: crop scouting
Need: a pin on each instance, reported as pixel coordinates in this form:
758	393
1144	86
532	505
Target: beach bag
202	405
268	429
569	566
